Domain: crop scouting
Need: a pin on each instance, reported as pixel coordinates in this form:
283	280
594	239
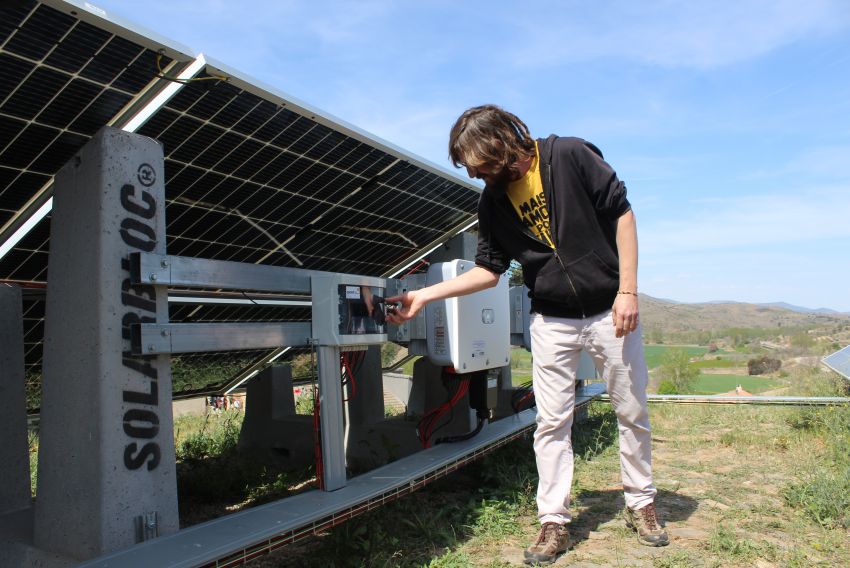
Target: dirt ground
719	472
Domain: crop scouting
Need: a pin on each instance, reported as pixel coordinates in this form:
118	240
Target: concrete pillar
366	406
268	401
14	451
271	431
462	245
106	476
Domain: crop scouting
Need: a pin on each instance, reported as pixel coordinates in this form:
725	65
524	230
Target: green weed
676	559
823	496
724	540
495	519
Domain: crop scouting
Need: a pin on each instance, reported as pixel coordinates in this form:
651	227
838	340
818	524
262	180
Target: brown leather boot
554	539
647	526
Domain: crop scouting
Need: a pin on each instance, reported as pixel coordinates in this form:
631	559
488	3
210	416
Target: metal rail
152	338
236	538
165	270
768	400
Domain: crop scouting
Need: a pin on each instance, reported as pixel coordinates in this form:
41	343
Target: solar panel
252	174
66	73
63	79
253	177
839	362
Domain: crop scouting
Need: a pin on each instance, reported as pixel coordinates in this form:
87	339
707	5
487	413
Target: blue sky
728	121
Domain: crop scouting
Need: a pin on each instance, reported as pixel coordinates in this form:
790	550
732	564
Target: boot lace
546	529
650	517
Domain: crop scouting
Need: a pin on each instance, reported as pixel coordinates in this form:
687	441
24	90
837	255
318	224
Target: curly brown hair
489	134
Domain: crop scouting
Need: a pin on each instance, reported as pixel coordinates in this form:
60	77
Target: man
558	208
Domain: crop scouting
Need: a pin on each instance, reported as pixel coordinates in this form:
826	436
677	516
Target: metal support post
106	455
333	434
14	453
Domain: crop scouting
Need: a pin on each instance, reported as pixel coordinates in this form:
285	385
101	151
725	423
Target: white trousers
556	345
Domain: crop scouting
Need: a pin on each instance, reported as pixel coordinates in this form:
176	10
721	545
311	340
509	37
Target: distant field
715	384
655	353
718	364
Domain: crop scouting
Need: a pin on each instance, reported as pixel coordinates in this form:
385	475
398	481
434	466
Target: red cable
317	435
25	284
350	375
415	268
433	417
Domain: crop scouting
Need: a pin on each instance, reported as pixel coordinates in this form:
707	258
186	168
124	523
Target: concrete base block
16	544
271	431
287	444
399	386
382	443
14	449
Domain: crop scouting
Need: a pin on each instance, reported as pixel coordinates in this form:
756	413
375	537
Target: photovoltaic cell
63	79
840	362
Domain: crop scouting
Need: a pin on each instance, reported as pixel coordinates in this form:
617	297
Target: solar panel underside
840	362
250	177
62	80
249	180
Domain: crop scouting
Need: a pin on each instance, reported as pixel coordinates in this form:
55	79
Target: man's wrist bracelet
626	292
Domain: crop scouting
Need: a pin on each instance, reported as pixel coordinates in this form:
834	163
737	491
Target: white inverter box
470	333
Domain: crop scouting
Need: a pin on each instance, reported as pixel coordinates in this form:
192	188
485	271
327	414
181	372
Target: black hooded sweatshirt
584	197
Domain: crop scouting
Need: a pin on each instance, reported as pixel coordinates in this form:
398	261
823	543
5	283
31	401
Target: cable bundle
348	361
426	426
523	397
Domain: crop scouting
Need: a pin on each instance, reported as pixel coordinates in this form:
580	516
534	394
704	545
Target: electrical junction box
520	317
469	333
349	309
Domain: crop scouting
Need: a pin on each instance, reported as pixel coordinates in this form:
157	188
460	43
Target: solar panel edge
92	14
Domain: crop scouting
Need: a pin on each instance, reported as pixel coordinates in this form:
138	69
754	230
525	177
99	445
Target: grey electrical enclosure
349	310
520	307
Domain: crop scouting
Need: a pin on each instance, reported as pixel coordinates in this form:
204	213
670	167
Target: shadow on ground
601	507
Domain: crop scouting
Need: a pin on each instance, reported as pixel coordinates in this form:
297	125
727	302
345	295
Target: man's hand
625	314
410	306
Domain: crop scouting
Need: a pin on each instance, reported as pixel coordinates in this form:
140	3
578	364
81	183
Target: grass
214	477
754	485
655	353
718	363
736	477
715	384
822	491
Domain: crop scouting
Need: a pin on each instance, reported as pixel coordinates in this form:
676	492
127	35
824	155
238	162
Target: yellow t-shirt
526	195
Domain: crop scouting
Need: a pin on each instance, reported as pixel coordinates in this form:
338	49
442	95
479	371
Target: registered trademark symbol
147	175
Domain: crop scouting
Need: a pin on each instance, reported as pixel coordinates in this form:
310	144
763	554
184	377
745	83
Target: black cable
250	298
462	437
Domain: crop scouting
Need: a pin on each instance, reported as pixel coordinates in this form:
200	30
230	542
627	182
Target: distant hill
673	317
803	310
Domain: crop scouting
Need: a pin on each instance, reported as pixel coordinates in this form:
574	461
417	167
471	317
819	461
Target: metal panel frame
219	274
150	339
